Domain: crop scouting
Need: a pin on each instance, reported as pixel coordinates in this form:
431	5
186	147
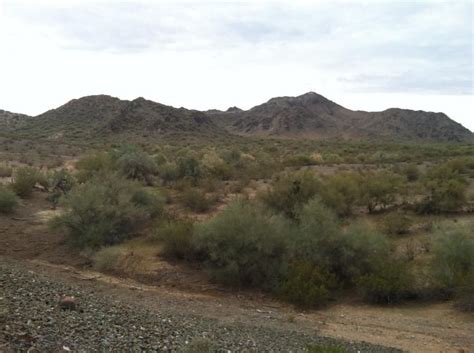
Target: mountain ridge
309	115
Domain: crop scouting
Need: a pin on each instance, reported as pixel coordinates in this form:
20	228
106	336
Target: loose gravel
32	321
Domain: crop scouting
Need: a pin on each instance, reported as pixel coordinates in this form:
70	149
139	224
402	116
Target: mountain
11	121
103	116
314	116
307	116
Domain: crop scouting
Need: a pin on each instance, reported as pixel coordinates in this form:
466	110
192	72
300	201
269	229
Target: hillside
312	115
309	115
9	120
103	116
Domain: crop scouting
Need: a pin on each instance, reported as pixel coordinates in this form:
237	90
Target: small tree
25	180
8	200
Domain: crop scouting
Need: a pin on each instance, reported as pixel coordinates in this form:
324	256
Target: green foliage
106	259
453	256
341	192
169	172
446	190
24	181
176	237
379	189
411	172
137	165
188	167
388	284
8	200
307	286
92	164
396	223
326	348
106	210
291	192
244	246
196	200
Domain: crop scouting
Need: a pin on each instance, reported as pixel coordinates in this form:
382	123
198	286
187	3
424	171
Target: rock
67	302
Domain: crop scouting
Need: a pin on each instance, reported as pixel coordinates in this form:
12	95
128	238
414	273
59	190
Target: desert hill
312	115
309	115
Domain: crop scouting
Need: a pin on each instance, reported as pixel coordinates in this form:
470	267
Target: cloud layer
218	53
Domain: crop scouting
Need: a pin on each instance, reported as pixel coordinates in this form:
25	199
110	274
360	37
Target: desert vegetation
307	223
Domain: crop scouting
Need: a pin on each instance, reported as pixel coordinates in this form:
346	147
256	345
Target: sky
364	55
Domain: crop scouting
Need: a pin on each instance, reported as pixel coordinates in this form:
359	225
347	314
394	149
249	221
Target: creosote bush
24	181
396	223
388	284
8	200
106	210
176	237
244	246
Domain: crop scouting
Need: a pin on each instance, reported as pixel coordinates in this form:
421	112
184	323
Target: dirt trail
415	328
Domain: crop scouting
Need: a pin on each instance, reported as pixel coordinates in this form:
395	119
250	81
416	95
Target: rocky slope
102	116
309	115
312	115
31	320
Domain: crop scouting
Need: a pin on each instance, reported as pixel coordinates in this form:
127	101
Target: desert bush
446	190
196	200
8	200
168	172
135	164
453	257
106	259
176	237
188	167
307	286
388	284
291	192
410	171
24	181
396	223
90	165
341	192
105	210
379	189
244	246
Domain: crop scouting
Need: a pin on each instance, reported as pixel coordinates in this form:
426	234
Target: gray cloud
374	46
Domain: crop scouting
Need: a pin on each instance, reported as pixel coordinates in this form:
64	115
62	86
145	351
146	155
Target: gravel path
30	320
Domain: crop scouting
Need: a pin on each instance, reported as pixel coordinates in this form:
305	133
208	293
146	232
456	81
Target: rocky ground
31	320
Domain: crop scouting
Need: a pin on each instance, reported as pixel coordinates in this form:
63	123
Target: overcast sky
368	55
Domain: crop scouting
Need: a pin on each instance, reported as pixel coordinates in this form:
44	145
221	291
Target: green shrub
388	284
308	286
453	257
189	167
92	164
446	190
106	259
341	192
8	200
137	165
291	192
106	210
168	172
244	246
25	180
396	223
196	200
411	172
176	237
379	189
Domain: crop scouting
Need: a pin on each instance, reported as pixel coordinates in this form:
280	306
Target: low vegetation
8	200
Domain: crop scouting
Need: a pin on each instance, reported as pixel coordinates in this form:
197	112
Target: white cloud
367	55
